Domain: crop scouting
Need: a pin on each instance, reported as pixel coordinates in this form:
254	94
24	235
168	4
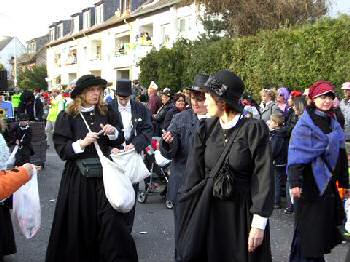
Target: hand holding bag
132	164
26	207
194	209
117	185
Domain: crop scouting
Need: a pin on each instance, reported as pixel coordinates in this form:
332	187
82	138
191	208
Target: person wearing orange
11	180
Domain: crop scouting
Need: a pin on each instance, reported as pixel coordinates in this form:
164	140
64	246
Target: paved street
153	231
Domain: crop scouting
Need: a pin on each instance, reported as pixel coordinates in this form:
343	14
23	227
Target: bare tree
245	17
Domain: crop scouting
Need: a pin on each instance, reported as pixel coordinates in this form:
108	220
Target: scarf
309	144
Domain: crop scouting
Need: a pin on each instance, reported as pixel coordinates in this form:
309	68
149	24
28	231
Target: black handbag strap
227	148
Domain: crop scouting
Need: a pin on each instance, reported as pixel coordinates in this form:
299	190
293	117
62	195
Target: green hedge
293	57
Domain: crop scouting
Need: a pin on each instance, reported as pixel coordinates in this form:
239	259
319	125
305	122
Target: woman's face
180	103
212	107
280	99
165	99
92	95
198	103
265	98
323	103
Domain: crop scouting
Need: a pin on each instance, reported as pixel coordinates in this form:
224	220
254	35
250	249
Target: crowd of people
232	163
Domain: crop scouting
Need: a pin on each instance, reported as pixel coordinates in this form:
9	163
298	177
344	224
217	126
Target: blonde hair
278	119
269	92
74	108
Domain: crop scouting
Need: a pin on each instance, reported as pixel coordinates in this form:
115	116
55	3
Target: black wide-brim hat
123	88
199	82
85	82
227	86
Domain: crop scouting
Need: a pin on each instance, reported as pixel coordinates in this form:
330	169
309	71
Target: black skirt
85	226
229	227
7	237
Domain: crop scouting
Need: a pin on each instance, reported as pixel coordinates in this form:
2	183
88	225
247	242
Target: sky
29	19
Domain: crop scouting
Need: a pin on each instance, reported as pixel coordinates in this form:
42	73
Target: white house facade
10	47
113	48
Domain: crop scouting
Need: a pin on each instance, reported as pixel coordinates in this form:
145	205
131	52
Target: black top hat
23	117
199	82
227	86
85	82
123	88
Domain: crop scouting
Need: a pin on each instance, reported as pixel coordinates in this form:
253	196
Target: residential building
120	34
36	53
10	48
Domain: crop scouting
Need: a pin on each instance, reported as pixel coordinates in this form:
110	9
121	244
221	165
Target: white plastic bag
132	164
118	187
347	211
12	158
26	207
160	159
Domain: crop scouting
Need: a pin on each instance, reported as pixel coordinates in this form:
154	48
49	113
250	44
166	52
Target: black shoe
289	210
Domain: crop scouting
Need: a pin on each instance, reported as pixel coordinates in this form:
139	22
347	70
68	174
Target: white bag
118	188
26	207
347	211
12	158
160	159
132	164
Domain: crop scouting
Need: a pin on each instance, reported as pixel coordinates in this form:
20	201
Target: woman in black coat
316	160
237	229
85	226
179	106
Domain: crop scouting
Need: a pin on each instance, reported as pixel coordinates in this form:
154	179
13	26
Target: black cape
250	161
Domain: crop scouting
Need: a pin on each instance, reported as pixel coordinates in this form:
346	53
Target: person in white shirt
137	125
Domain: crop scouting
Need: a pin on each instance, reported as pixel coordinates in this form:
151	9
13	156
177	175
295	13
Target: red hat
320	88
296	93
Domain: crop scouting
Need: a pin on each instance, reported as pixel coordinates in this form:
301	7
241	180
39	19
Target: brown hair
225	106
278	119
74	108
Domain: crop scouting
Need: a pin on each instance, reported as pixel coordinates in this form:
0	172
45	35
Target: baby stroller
156	183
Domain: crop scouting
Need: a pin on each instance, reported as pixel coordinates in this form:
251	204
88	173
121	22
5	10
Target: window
165	29
122	45
99	14
125	6
52	34
31	48
76	24
184	25
98	52
86	16
58	59
60	31
72	57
